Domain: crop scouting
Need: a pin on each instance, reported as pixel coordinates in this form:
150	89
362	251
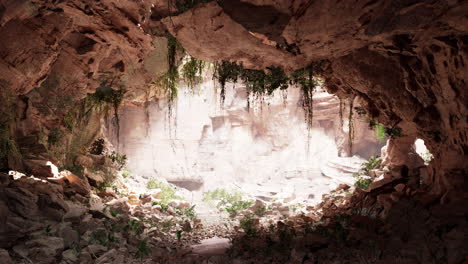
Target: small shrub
142	248
164	207
233	200
118	158
126	173
97	148
260	210
362	181
135	227
167	192
372	163
247	223
167	225
189	212
238	206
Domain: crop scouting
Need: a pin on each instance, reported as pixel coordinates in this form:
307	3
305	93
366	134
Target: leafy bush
237	206
143	250
362	181
247	223
260	210
192	71
168	193
118	158
189	212
232	201
382	131
372	163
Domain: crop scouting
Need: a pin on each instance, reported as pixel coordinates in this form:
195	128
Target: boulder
5	256
42	250
77	184
69	235
69	257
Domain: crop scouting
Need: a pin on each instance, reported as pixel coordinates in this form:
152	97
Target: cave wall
54	53
406	60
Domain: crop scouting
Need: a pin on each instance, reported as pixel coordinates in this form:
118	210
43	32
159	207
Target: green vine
383	131
192	72
106	97
226	72
304	79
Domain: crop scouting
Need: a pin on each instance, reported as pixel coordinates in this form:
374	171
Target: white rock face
204	146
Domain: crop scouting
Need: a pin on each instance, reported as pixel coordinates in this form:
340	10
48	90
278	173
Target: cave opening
246	131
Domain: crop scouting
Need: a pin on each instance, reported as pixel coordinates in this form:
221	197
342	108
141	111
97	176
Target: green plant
126	173
164	207
232	200
306	82
247	223
97	148
168	193
237	206
179	235
102	237
380	132
167	225
226	72
135	227
192	71
113	213
142	249
189	212
362	181
392	132
103	185
372	163
260	210
119	159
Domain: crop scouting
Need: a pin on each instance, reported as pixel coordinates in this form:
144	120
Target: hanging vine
226	72
107	97
304	79
192	72
351	125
